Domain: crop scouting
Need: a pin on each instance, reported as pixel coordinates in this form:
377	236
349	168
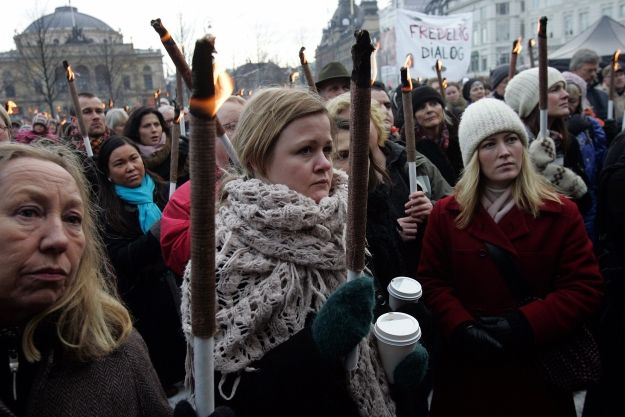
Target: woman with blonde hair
286	317
503	212
67	339
395	217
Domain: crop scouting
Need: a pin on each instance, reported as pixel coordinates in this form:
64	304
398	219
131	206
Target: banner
427	38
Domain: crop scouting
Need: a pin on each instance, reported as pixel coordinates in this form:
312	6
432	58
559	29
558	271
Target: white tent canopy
604	37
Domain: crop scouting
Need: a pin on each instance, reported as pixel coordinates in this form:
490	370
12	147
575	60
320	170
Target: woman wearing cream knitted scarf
280	256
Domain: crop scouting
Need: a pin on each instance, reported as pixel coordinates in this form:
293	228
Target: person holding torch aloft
436	133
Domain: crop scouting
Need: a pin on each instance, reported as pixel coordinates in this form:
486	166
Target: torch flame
406	84
293	77
532	42
110	103
517	48
180	114
444	83
157	93
374	62
615	57
10	107
408	61
439	65
69	73
224	85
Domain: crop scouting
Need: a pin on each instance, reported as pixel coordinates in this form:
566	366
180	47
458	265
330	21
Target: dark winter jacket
291	380
448	161
392	257
599	102
150	292
606	398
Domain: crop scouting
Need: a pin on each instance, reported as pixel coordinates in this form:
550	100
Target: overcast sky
282	26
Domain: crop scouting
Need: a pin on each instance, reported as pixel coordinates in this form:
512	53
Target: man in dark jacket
585	63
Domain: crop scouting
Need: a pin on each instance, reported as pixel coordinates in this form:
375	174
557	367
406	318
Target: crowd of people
95	277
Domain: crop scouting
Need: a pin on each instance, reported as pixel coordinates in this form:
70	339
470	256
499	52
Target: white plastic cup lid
398	329
405	288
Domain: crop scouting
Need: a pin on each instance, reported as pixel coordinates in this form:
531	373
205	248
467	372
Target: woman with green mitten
286	318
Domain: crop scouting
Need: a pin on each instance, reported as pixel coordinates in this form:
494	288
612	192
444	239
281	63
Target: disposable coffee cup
397	335
403	290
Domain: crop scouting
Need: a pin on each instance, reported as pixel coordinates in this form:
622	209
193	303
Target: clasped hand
417	208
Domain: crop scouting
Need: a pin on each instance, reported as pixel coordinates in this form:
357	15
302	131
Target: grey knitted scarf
280	256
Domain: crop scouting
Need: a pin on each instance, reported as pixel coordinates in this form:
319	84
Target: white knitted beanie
484	118
522	91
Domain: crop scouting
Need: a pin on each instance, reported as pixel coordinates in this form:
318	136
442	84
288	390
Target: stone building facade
338	37
33	76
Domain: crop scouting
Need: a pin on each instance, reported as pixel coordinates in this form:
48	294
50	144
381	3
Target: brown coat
122	384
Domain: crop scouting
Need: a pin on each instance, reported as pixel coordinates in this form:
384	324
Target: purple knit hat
572	78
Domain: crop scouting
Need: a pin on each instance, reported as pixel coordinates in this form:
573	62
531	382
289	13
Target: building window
522	6
83	78
621	10
484	64
503	56
147	78
126	82
484	34
38	87
476	35
568	25
9	90
102	78
522	29
535	4
606	10
502	32
475	61
583	20
502	9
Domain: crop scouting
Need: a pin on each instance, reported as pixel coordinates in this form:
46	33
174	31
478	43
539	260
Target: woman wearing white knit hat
557	157
501	205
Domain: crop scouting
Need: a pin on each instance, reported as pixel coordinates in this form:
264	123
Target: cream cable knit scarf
280	257
497	201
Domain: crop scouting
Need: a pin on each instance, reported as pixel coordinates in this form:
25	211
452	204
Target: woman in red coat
486	366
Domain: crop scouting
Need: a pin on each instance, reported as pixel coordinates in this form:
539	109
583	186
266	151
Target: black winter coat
150	292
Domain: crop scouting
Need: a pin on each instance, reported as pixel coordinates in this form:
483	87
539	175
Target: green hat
332	71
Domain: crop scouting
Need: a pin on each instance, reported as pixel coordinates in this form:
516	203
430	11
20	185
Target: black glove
184	409
183	148
577	124
344	319
512	330
611	129
475	343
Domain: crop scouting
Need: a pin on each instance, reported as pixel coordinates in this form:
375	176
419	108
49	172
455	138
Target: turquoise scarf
141	196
